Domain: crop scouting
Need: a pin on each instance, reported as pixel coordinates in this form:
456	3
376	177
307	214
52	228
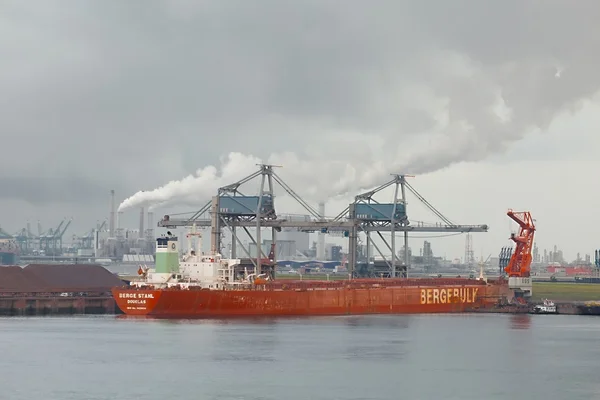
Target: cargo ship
200	285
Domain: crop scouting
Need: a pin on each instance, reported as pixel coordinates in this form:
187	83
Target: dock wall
54	305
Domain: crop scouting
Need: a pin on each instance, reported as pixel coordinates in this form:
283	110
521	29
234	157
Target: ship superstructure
194	269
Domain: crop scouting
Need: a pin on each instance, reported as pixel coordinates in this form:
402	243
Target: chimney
112	214
150	225
142	218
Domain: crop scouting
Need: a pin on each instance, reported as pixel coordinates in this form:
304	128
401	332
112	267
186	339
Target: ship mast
194	233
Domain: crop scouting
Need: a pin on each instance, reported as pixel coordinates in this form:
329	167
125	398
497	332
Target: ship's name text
133	301
136	295
450	295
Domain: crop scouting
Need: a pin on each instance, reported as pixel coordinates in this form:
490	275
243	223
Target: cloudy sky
491	104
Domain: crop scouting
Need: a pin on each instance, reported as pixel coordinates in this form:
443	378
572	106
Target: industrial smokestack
150	225
142	218
321	239
111	222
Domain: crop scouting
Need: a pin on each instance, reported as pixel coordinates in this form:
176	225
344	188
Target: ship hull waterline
174	303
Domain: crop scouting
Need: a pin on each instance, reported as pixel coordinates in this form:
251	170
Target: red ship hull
315	298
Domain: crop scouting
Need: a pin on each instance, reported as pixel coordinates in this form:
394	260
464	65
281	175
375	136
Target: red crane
520	261
269	260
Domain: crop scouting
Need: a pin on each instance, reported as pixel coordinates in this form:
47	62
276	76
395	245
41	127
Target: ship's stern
133	301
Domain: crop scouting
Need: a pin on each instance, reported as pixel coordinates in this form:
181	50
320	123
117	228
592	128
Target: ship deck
288	284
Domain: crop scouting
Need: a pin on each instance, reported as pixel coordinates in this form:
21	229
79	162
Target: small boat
547	307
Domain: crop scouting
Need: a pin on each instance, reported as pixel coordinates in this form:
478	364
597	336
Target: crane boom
520	261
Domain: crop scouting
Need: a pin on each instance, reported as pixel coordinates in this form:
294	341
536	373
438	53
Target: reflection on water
520	321
379	350
249	341
383	321
390	343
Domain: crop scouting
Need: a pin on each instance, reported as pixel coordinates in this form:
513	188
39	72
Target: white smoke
314	179
195	188
402	104
477	111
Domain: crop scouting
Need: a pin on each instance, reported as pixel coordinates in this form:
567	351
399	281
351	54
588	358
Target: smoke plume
475	80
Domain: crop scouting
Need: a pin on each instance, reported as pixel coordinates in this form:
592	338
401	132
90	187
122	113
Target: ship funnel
167	255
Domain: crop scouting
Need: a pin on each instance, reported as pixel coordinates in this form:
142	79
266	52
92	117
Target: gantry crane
519	265
86	241
233	210
25	239
51	241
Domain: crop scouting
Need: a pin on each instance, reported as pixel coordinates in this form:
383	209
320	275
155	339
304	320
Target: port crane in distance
519	265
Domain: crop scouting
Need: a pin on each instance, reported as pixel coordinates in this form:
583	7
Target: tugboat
547	307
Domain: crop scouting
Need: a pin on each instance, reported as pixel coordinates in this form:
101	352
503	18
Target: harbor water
373	357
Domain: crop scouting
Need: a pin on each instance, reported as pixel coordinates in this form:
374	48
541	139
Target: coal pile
16	279
57	278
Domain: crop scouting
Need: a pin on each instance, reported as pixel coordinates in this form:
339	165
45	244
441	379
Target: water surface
375	357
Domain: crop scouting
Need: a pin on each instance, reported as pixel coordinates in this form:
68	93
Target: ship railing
368	283
288	284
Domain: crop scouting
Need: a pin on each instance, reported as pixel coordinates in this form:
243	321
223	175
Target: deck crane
519	265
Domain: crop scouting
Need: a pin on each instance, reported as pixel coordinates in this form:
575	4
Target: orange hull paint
314	298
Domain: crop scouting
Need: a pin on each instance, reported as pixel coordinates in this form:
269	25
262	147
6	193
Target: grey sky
131	95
